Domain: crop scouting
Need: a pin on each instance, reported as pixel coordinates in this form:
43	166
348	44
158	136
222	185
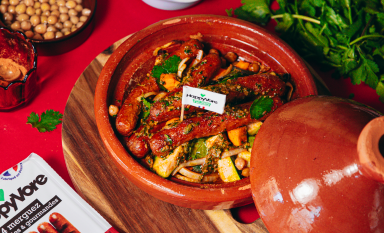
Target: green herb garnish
170	66
47	122
346	35
260	107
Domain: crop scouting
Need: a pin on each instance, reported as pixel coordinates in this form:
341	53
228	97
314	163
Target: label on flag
204	99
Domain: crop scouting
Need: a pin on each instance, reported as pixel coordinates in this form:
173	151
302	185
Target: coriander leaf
260	107
170	66
349	61
199	149
254	10
285	24
309	8
145	109
333	18
365	72
48	121
380	88
229	12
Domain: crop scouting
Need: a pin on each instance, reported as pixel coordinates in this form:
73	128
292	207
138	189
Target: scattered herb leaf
47	122
260	107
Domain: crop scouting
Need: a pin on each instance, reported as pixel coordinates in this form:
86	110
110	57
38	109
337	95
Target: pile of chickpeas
44	19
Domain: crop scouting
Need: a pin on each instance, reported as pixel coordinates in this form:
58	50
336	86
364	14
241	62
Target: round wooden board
103	186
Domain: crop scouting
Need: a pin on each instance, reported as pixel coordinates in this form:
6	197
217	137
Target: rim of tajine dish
211	196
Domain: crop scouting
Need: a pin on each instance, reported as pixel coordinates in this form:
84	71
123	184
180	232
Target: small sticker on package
34	198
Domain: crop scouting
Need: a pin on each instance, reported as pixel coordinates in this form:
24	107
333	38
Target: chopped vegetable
242	65
227	170
169	81
260	106
346	35
254	127
250	140
238	136
164	166
246	155
47	122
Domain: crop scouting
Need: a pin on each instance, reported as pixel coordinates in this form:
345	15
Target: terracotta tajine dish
18	61
314	168
135	57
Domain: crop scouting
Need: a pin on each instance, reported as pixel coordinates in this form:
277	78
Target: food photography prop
318	167
18	63
54	27
171	5
135	56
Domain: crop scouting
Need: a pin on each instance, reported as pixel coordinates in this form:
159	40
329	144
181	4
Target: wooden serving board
104	187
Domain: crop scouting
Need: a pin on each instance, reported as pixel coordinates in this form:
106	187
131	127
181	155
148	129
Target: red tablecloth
113	21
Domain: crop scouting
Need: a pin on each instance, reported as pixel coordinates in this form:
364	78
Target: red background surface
113	21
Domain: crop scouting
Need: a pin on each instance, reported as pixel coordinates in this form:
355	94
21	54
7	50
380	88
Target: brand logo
27	190
202	95
12	173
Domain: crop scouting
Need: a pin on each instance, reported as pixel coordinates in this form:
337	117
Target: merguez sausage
205	125
237	89
129	113
46	228
62	224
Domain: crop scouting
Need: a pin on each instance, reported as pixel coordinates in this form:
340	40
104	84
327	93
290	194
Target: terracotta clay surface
306	174
126	66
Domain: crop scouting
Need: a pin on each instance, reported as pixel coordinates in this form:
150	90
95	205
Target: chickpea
16	25
8	23
72	12
58	35
254	67
22	17
51	29
73	28
14	2
67	33
59	25
45	7
37	5
83	18
5	2
60	3
70	4
21	8
79	24
245	172
52	19
63	18
64	30
37	37
231	57
8	16
67	24
51	2
46	13
38	12
29	2
74	19
43	1
78	8
29	34
35	20
11	9
44	19
49	35
63	10
41	28
214	51
55	13
30	11
78	1
26	25
240	163
54	7
86	12
3	8
113	110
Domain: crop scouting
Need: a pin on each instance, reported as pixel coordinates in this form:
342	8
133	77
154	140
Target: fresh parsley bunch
47	122
344	34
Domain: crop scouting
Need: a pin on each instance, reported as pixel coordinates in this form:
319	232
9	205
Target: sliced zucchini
254	127
227	170
164	166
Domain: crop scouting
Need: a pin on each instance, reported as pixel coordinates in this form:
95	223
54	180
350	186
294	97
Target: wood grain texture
103	186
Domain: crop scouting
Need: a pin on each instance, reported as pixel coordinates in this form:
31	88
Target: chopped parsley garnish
46	122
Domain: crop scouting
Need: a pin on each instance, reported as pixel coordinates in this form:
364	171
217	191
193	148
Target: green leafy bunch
46	122
344	34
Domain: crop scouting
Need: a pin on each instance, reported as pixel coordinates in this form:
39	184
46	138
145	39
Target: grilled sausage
188	49
238	89
62	224
129	113
205	125
137	143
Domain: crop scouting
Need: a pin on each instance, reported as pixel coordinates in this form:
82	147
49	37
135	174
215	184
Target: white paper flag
203	99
